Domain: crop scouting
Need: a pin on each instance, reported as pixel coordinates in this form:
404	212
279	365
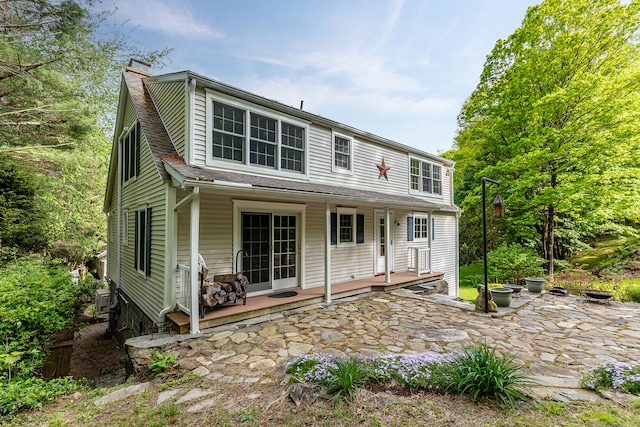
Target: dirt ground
96	353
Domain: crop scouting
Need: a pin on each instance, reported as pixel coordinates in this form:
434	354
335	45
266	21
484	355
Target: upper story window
426	177
342	151
256	138
131	153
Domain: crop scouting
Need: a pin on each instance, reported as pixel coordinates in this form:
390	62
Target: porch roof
190	176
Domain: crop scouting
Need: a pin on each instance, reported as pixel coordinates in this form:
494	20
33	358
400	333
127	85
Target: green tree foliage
59	80
555	118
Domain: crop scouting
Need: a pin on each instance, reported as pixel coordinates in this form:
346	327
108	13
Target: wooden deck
263	304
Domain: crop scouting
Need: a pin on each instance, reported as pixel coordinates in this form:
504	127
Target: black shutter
409	229
147	243
334	229
136	238
360	229
137	147
433	228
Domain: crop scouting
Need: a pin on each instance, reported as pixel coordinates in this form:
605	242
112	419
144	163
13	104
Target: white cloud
171	18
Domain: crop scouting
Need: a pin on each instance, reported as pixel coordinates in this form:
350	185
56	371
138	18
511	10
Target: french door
270	242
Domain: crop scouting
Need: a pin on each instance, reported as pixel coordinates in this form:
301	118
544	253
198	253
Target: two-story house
291	199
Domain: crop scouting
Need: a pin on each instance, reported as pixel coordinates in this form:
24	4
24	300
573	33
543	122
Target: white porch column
327	253
194	234
389	247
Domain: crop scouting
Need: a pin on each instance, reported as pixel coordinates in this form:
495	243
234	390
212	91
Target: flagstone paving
556	338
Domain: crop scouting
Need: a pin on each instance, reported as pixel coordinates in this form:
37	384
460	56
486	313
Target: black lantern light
498	206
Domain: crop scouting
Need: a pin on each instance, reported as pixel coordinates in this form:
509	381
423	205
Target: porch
263	304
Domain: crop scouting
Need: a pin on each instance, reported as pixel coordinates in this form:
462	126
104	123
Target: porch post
387	240
327	253
194	233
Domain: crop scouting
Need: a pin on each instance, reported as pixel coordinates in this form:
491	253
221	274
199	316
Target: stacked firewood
224	288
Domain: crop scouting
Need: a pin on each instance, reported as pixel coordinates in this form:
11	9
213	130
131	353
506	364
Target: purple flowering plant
613	375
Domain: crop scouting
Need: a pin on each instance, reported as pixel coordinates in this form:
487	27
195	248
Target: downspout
119	210
189	115
194	232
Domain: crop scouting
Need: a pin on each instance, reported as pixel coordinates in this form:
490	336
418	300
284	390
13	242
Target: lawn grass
468	293
471	275
598	253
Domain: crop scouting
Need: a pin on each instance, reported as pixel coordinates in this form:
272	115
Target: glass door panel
256	231
285	248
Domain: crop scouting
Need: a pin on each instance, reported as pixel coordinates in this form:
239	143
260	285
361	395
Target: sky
400	69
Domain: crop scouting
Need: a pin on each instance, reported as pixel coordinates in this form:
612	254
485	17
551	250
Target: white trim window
255	138
425	177
420	227
131	153
341	153
346	226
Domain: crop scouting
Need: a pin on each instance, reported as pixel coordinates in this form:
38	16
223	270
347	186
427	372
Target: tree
555	118
59	80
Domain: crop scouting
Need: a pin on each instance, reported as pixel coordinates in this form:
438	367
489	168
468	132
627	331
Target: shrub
346	376
37	300
479	373
511	264
617	376
33	392
634	294
161	362
475	371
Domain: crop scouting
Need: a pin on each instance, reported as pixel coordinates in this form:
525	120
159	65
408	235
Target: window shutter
135	248
147	257
360	228
334	228
409	229
137	142
433	228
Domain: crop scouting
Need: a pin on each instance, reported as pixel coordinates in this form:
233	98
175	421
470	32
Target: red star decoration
383	170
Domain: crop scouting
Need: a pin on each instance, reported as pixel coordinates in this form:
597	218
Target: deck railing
419	259
183	288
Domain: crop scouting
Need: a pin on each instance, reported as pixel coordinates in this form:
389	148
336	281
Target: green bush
346	376
161	362
33	392
634	294
37	300
512	263
618	376
477	371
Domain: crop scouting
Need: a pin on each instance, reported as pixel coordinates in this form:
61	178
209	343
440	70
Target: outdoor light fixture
498	206
498	212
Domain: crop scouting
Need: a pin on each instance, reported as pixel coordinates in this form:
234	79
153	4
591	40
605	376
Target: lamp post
498	212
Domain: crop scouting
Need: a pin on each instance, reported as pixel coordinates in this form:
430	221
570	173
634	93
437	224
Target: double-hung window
342	151
256	138
418	227
425	177
346	226
131	153
142	250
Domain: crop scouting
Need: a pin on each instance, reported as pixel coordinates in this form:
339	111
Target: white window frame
131	143
431	166
339	169
420	220
352	212
141	242
246	165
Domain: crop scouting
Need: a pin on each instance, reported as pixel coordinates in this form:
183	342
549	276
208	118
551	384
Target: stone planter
501	296
534	284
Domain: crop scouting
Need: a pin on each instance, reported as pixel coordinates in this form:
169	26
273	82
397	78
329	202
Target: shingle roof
308	188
